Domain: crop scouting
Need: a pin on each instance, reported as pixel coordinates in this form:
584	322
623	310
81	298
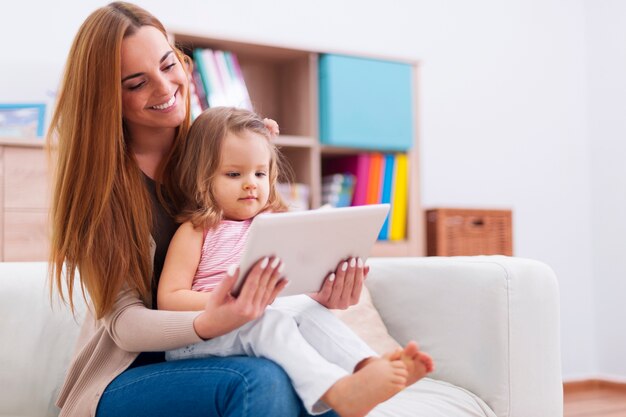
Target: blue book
198	60
386	192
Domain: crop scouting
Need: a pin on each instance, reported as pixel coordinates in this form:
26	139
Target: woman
121	117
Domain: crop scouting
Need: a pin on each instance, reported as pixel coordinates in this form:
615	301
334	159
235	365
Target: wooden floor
594	399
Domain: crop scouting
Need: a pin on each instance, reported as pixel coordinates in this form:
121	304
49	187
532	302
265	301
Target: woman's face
154	83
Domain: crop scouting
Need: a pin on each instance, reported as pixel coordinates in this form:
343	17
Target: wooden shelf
27	142
295	141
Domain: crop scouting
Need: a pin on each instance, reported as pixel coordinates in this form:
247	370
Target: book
221	79
374	180
199	87
198	59
225	79
358	166
195	103
239	84
337	189
386	191
216	95
398	216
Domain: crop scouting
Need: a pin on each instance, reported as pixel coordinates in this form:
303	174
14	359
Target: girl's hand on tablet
342	288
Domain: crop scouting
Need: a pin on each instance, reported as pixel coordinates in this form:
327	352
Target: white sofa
490	323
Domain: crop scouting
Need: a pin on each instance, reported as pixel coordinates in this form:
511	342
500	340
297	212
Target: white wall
607	146
503	108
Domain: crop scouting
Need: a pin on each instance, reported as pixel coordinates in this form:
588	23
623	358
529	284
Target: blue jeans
236	386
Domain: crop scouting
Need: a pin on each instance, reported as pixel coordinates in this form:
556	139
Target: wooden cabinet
283	84
24	201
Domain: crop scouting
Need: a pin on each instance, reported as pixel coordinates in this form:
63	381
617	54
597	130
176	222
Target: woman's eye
136	86
169	67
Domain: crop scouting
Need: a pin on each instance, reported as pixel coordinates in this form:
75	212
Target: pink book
356	165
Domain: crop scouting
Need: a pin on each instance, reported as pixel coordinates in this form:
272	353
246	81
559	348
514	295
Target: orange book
374	181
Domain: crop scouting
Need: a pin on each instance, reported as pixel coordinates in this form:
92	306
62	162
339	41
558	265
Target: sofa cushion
432	398
364	320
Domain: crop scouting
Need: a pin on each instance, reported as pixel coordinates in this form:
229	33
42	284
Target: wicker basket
468	232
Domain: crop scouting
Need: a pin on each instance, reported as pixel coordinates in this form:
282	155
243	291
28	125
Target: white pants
311	344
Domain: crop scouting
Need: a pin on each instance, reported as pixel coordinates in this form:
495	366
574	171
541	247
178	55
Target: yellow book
399	201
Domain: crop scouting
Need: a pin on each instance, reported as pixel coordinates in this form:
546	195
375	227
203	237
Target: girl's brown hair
100	212
201	159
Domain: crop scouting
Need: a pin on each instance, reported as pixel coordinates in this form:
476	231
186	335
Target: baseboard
591	384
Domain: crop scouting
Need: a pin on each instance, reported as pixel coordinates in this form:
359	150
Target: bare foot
377	380
418	363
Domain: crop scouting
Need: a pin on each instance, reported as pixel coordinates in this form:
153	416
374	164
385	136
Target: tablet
311	243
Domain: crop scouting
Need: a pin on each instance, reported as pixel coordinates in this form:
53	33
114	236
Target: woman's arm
137	328
181	263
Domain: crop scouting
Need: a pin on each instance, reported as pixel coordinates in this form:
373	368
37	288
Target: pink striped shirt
221	248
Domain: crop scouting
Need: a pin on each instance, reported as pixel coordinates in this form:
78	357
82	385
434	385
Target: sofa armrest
491	324
36	340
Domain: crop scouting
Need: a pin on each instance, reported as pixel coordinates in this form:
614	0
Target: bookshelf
283	85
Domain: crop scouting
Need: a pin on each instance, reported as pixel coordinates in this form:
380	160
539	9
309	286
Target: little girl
229	176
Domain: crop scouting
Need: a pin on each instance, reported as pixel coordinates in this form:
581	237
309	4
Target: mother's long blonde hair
101	211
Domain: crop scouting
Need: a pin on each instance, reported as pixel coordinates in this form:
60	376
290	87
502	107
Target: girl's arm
181	262
221	312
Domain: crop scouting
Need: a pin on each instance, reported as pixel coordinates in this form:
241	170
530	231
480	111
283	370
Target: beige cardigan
106	347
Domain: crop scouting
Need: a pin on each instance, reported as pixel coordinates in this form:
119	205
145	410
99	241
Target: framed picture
22	120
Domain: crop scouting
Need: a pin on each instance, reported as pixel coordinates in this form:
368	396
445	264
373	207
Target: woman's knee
267	390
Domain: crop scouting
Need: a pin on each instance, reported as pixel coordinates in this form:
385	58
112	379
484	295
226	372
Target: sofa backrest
37	339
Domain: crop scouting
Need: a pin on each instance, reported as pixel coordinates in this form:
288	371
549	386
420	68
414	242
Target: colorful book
337	189
196	105
374	182
385	195
198	59
238	82
216	94
228	89
357	165
199	87
399	205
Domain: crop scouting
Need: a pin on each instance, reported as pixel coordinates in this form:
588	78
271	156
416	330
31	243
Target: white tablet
311	243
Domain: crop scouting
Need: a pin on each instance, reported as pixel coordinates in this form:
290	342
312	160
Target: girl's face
154	83
241	186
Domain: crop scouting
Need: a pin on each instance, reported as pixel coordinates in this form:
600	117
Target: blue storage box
365	103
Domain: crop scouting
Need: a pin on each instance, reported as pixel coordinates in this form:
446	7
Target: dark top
163	229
